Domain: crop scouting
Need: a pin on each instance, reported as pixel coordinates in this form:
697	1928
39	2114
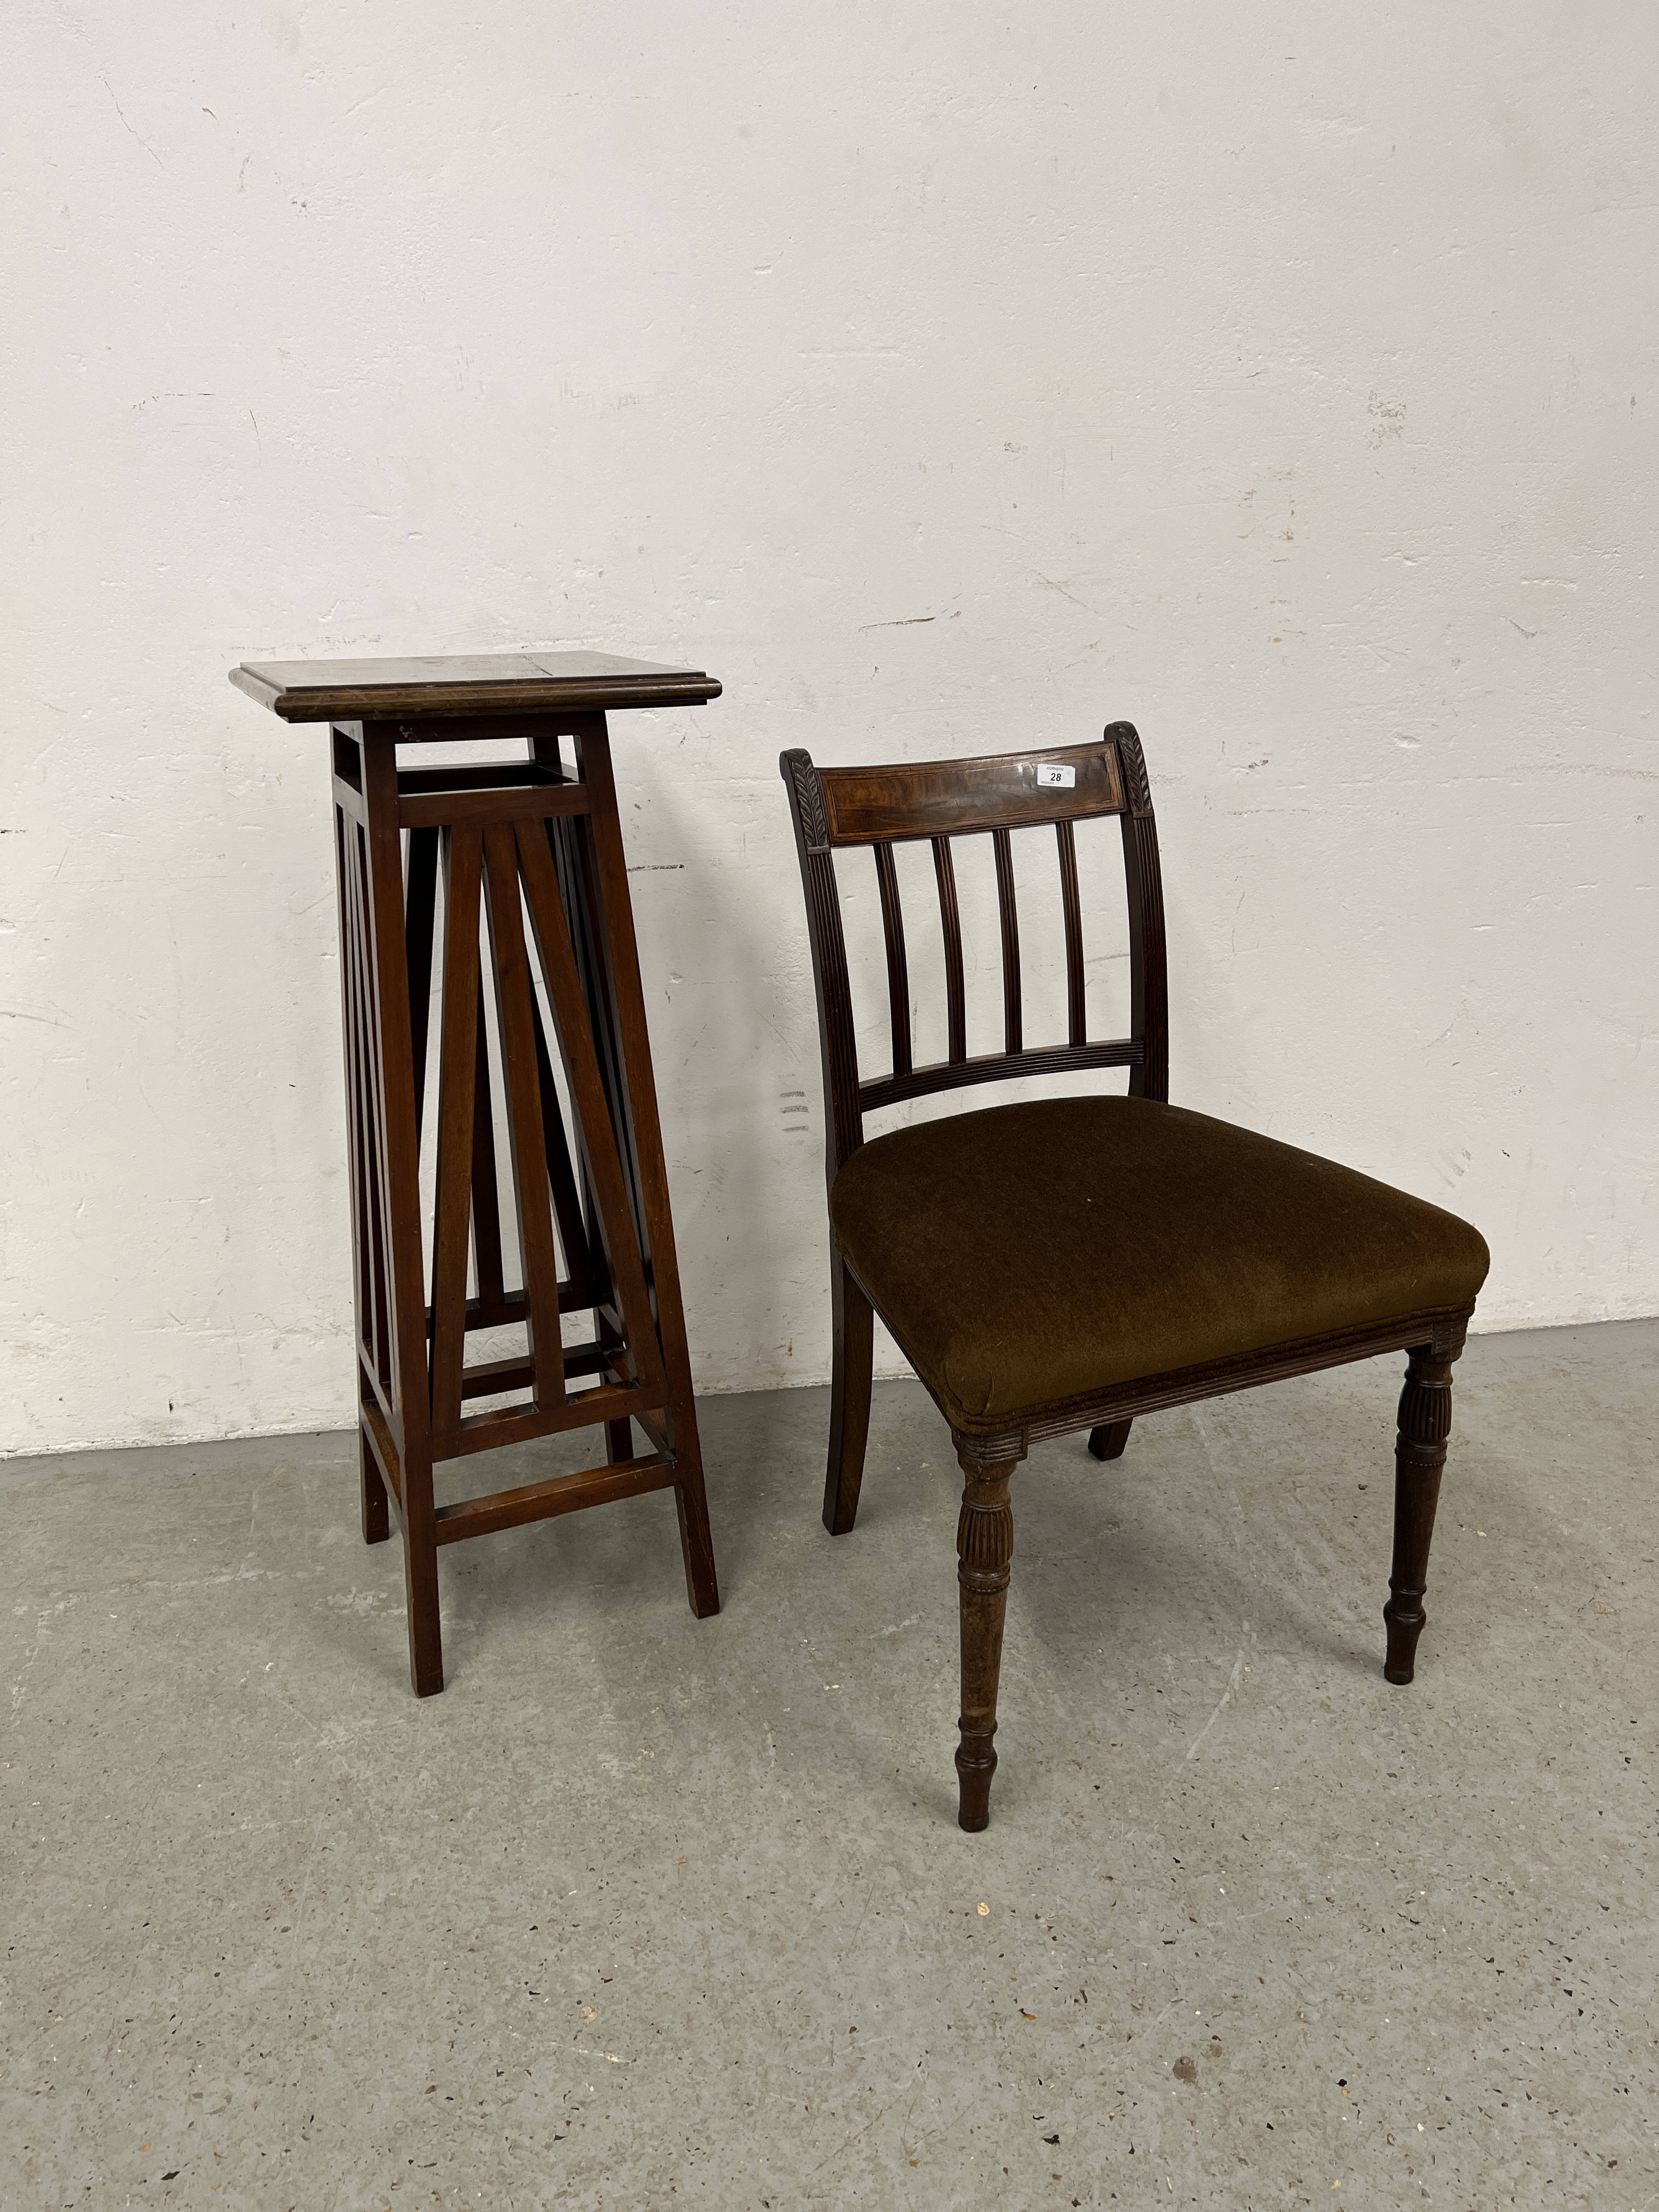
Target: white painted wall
1282	378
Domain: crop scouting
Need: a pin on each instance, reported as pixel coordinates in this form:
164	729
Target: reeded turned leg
985	1551
849	1399
1107	1441
1420	1455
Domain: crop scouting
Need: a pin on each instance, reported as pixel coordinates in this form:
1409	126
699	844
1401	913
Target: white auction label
1052	776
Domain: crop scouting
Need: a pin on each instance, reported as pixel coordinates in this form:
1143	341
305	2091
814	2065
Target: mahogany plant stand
511	877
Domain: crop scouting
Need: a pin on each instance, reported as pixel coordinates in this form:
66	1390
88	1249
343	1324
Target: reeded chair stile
1068	1264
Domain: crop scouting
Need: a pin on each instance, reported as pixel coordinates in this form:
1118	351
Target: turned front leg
985	1551
1420	1455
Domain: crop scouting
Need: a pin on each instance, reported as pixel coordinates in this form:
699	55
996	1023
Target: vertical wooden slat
898	973
575	866
561	1174
456	1078
614	1219
950	923
1077	1012
1011	1012
486	1194
420	899
528	1147
579	882
344	866
369	1090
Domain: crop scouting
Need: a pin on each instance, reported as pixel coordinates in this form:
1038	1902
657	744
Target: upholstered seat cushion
1031	1253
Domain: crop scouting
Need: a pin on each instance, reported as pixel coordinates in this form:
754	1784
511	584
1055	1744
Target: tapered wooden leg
849	1399
1420	1455
1107	1441
985	1551
377	1514
426	1646
691	1502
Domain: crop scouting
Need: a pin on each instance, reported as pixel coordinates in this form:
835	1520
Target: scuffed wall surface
1282	379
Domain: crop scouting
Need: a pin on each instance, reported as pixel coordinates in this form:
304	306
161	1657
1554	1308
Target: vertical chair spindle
1076	1014
950	924
898	973
1012	1016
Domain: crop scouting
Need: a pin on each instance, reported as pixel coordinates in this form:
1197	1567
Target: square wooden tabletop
431	685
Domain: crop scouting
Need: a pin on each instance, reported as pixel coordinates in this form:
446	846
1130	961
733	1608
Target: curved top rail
1008	790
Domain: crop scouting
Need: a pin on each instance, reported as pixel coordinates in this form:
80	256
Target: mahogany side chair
1068	1264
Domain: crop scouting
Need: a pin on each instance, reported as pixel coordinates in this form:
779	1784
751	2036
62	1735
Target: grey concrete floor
645	1910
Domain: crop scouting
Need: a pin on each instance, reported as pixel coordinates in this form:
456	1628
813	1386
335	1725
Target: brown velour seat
1068	1264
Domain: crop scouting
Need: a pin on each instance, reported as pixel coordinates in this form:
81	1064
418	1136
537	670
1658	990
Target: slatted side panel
515	1042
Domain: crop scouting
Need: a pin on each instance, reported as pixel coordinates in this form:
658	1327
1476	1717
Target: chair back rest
992	796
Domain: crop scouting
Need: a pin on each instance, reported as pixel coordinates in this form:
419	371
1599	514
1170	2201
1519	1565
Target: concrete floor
646	1911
